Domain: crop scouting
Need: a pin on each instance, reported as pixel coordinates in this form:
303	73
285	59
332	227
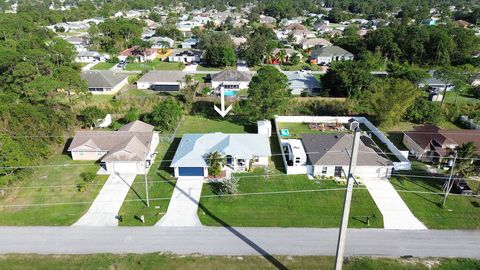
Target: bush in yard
166	115
113	60
423	112
132	115
475	92
82	187
90	116
215	161
88	177
230	186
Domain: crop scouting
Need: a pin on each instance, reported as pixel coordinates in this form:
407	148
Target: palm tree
164	45
281	56
215	161
466	154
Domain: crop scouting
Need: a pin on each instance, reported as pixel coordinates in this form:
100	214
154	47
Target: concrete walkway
190	68
89	66
396	214
105	207
182	210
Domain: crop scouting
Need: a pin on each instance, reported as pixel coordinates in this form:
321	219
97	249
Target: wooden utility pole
449	182
146	181
342	235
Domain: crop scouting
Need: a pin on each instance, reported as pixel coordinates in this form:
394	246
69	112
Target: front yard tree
268	94
219	49
450	75
391	98
165	116
215	162
91	115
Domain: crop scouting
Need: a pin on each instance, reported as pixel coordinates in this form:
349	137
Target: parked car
121	64
462	187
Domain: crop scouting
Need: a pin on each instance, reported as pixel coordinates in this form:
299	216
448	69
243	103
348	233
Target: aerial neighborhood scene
192	134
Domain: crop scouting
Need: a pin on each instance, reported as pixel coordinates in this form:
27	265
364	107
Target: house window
324	169
257	159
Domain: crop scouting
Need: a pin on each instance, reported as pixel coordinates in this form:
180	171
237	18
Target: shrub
88	177
423	112
82	187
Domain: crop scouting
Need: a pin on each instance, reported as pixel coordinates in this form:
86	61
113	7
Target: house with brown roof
432	144
308	43
130	150
139	55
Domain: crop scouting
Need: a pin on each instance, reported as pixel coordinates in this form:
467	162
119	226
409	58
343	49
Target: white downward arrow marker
222	111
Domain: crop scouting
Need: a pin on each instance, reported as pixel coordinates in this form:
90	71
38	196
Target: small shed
264	127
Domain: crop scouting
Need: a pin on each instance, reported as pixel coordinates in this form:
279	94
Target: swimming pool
229	93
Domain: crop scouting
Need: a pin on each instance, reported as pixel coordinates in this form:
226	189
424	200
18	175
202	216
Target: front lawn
300	66
461	99
160	189
320	206
103	66
50	196
162	261
155	65
202	67
199	124
460	212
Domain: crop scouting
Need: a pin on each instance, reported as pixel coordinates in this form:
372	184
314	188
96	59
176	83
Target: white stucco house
326	153
130	150
328	54
186	56
231	80
240	151
104	82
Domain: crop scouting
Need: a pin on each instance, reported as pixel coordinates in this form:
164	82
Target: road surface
237	241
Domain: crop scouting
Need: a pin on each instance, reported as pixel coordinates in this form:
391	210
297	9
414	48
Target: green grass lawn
461	99
103	66
101	98
200	77
159	261
300	66
50	196
155	65
160	187
302	209
201	67
460	212
199	124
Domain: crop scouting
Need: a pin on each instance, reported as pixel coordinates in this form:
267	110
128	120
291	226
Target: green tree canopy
165	116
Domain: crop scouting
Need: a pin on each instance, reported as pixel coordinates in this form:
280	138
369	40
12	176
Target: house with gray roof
328	155
104	82
163	81
435	84
231	80
129	150
301	82
240	151
328	54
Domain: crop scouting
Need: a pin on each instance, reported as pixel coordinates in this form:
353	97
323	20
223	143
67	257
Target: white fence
402	164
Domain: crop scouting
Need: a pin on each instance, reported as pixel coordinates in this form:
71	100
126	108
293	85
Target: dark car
462	187
121	64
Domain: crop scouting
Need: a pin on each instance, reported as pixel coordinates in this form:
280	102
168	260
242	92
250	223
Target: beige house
104	82
129	150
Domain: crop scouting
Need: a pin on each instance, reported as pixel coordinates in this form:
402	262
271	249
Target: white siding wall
87	155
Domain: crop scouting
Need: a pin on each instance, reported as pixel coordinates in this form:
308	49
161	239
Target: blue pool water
284	132
229	93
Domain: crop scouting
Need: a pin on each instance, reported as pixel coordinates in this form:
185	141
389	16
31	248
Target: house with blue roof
241	151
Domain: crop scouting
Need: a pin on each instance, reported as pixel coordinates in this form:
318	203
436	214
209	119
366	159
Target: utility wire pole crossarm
342	235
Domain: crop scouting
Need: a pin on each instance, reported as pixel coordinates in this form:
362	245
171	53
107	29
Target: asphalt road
237	241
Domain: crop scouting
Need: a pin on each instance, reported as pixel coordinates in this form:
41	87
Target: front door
338	171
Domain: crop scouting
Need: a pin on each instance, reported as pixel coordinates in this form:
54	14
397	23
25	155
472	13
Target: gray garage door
166	88
190	171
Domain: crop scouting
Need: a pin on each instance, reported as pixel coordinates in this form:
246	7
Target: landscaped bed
286	201
50	195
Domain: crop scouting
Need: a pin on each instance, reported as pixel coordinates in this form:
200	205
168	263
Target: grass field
461	99
155	65
50	196
159	261
199	124
300	66
460	212
206	68
314	204
103	66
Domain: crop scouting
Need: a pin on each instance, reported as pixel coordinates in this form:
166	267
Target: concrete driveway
190	68
182	209
396	214
105	207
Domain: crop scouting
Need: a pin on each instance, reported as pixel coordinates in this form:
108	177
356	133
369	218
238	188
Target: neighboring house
300	35
238	41
474	80
240	150
326	153
89	57
186	27
433	144
329	54
303	82
78	42
231	79
190	56
148	34
138	54
289	52
163	81
189	43
267	19
434	84
314	42
463	24
161	42
130	150
295	26
104	82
